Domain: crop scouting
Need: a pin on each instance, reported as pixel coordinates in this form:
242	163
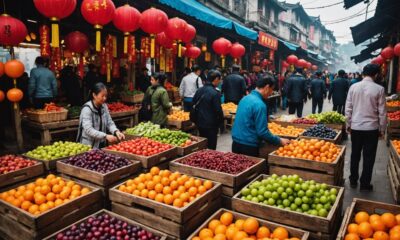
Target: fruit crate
46	117
176	222
21	174
178	124
298	125
371	207
231	184
49	165
294	232
393	170
336	140
320	228
137	98
147	161
18	224
119	217
199	144
124	113
393	123
392	109
329	173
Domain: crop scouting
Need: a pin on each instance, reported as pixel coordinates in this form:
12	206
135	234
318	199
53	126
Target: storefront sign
131	49
162	59
267	40
44	33
145	47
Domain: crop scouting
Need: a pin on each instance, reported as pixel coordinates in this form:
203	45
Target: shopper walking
366	121
189	85
207	112
251	124
42	87
296	90
338	92
234	86
318	92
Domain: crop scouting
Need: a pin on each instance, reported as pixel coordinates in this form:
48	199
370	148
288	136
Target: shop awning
291	46
370	28
202	13
362	57
351	3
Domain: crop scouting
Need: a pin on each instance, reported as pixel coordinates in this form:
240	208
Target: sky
330	16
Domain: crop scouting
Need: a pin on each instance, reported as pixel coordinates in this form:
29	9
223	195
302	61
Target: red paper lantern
14	68
301	63
379	60
237	50
15	95
308	65
189	34
285	64
2	96
387	53
55	10
98	15
396	49
176	29
154	21
222	46
164	41
77	42
314	67
292	59
12	31
127	19
193	52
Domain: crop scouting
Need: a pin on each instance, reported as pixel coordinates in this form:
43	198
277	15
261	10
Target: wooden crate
176	222
21	175
119	217
15	220
266	149
293	232
336	140
137	98
98	178
201	143
393	171
124	114
298	125
329	173
181	125
371	207
46	117
49	165
147	161
393	123
231	184
392	109
318	225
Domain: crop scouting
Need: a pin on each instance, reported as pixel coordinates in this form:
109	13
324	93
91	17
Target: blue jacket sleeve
262	128
32	85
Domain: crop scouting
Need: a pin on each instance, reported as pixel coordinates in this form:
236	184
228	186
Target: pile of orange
43	194
290	131
229	107
179	116
396	144
395	103
310	149
227	228
374	227
167	187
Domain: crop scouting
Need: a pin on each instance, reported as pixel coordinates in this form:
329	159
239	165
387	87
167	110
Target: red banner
271	55
267	40
115	68
169	61
131	49
55	60
44	33
145	47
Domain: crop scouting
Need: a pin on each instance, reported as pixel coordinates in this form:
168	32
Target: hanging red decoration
301	63
98	14
176	29
44	33
396	49
189	34
193	52
308	65
285	64
15	95
55	10
237	51
378	60
292	59
154	21
314	67
12	31
14	68
127	19
77	42
222	46
2	96
132	49
387	53
164	41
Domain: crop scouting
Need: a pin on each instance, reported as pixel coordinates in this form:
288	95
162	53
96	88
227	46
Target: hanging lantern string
4	6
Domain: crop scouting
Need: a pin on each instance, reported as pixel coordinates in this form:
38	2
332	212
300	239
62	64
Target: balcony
266	22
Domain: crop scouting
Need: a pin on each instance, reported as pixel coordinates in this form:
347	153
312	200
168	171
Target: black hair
235	68
341	73
318	73
160	77
39	61
187	70
212	75
371	70
299	70
196	68
264	81
97	88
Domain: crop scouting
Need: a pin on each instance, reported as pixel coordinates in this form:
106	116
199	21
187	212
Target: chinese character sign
44	33
267	40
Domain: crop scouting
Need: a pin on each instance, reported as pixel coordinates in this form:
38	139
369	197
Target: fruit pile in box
57	150
395	103
43	194
305	121
164	186
179	116
119	107
310	149
396	144
11	163
48	107
320	131
229	107
140	146
230	163
328	117
289	131
395	116
292	193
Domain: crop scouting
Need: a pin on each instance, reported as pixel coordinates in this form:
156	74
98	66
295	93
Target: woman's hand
111	139
120	135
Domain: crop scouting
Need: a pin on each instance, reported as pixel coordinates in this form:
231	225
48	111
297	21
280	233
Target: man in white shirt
366	121
189	85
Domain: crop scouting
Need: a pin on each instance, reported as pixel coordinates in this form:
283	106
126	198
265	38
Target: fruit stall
393	169
180	120
392	106
393	125
229	110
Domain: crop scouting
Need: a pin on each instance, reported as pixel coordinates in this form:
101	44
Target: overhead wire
326	6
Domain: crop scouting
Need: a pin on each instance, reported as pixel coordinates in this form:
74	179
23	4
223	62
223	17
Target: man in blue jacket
251	124
42	87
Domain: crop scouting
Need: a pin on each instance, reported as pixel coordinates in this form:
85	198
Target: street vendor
96	127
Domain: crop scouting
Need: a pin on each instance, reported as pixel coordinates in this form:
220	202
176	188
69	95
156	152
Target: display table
46	130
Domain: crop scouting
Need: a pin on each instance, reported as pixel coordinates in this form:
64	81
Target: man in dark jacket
92	77
296	89
208	111
338	92
144	80
318	92
234	86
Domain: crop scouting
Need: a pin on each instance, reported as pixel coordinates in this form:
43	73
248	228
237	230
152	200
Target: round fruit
226	218
389	220
250	225
352	228
361	217
280	233
205	233
352	236
365	230
381	235
263	232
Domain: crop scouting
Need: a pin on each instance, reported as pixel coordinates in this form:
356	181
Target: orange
50	204
176	194
381	235
77	187
70	184
168	199
165	173
240	235
58	202
26	205
159	197
154	170
208	184
165	181
150	185
378	225
136	192
280	233
122	188
394	235
178	203
398	219
128	189
4	195
50	196
167	190
231	232
39	199
57	188
39	181
50	177
213	224
141	186
159	187
205	233
202	190
220	229
21	188
28	195
152	194
33	209
43	207
351	236
148	176
196	238
395	229
156	179
16	202
352	228
193	191
250	225
64	194
197	183
182	189
84	191
263	232
144	193
239	224
374	217
174	185
389	220
361	217
365	230
219	237
226	218
184	197
30	186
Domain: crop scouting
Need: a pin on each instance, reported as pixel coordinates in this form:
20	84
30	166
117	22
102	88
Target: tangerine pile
229	107
310	149
374	227
395	103
396	144
179	116
226	228
43	194
164	186
290	131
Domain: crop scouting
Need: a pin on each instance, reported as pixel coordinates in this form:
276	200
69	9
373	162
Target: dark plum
320	131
